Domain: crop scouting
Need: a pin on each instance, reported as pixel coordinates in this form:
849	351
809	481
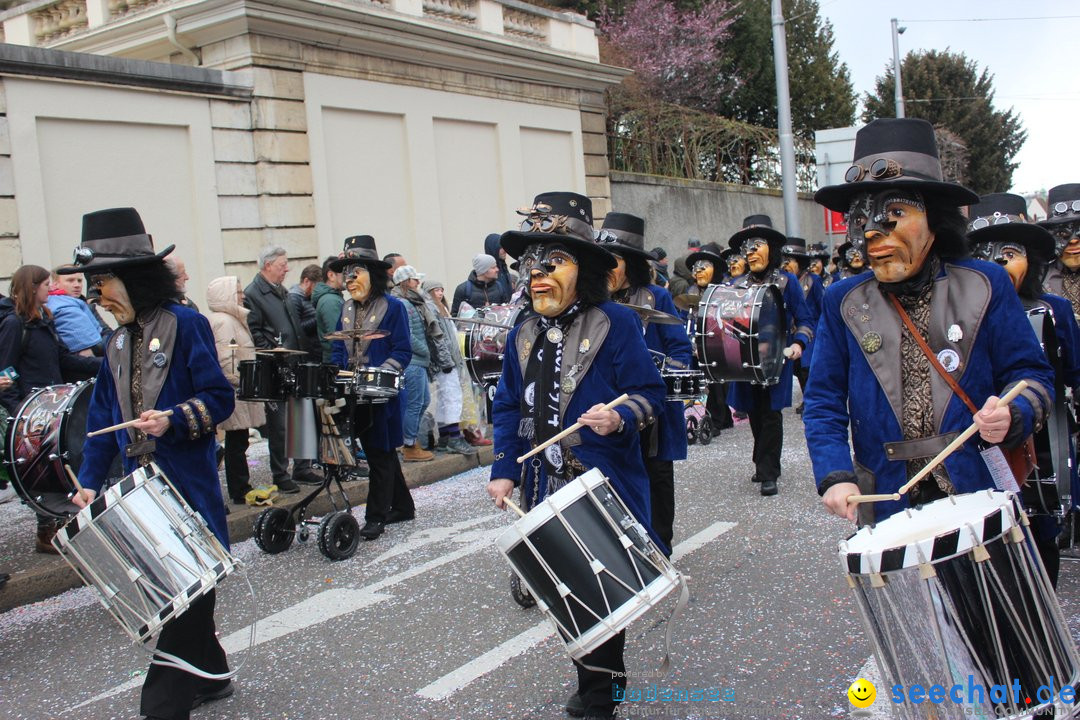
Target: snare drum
588	562
684	384
486	344
145	551
741	333
46	433
262	379
955	589
376	384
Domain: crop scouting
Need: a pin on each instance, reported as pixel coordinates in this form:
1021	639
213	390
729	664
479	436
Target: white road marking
473	670
320	608
430	536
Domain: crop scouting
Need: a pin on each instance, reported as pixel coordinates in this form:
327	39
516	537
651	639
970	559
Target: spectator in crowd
506	278
29	344
693	244
660	266
328	301
228	320
430	355
394	260
76	324
448	410
273	323
681	279
300	299
179	268
483	287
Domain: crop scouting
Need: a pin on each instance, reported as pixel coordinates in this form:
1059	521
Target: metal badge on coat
949	359
159	360
554	335
871	342
955	334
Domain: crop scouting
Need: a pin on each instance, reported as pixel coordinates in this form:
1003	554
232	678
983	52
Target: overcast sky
1034	63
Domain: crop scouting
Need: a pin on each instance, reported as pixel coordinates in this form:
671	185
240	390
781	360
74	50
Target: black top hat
113	239
841	254
818	250
795	247
360	250
709	251
759	226
729	254
894	152
1002	217
1062	204
558	217
624	234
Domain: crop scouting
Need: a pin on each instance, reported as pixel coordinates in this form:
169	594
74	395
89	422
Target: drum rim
542	512
947	542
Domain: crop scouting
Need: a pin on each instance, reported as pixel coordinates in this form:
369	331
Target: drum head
937	531
741	333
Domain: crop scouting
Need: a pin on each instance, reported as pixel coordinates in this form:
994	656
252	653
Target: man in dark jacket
483	287
492	248
300	297
274	323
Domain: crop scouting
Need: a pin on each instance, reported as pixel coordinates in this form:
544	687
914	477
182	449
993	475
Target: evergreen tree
948	90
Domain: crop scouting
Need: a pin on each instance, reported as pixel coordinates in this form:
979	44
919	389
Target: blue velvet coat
622	365
739	393
813	298
385	431
191	465
844	392
673	342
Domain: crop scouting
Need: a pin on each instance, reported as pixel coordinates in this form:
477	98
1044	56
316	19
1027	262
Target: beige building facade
231	125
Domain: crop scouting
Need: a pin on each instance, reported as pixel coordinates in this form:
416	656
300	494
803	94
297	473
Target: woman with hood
228	320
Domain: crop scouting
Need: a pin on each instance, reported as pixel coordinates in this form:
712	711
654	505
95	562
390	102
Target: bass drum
47	433
486	343
741	334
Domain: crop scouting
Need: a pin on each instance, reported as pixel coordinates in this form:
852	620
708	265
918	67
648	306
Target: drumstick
129	423
573	428
510	504
940	457
78	487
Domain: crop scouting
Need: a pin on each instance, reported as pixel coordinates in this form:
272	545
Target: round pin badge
554	335
949	359
159	360
871	342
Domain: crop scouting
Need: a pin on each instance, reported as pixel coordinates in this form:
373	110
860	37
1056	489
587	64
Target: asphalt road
420	623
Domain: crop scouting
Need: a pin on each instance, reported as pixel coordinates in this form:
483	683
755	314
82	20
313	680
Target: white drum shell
636	545
148	554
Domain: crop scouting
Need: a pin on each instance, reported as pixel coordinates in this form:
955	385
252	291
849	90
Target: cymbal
356	334
686	301
282	351
649	315
480	321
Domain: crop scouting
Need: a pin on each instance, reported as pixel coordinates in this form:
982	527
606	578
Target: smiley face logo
862	693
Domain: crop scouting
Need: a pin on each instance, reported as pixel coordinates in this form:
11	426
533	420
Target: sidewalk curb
50	575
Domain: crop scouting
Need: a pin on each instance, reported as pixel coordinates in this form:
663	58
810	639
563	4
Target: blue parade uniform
619	363
1068	337
394	351
814	294
740	393
994	348
673	342
194	389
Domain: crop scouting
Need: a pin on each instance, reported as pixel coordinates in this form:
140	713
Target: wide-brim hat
818	251
895	153
569	217
1002	217
759	226
1062	204
709	251
795	247
360	250
624	234
113	239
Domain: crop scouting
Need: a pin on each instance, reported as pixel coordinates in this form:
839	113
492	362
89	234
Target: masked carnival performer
376	426
735	264
872	377
818	257
797	261
664	441
850	261
1063	277
998	230
161	357
579	352
763	247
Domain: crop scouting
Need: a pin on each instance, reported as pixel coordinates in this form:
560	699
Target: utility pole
788	169
899	95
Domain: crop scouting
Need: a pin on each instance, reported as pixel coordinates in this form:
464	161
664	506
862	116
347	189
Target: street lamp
899	95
